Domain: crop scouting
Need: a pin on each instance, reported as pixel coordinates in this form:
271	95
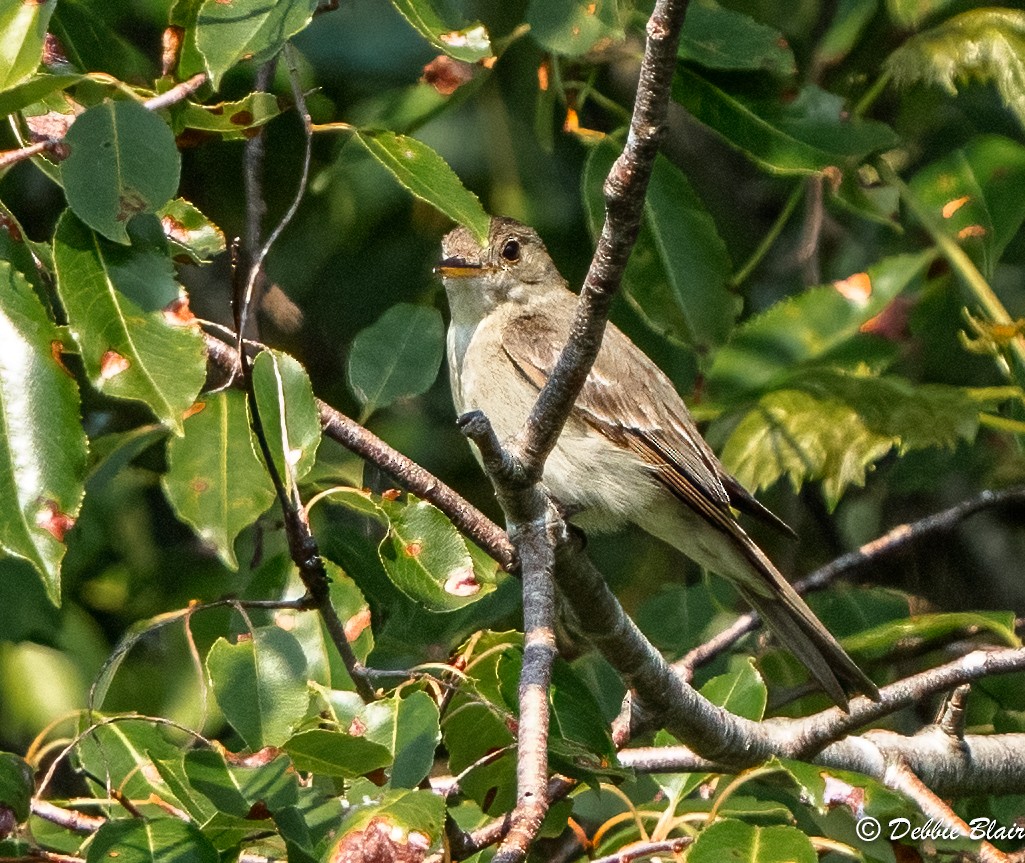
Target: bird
630	451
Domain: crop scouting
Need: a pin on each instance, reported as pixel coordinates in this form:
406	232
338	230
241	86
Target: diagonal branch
625	189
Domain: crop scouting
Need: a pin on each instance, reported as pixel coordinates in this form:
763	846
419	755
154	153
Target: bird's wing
630	401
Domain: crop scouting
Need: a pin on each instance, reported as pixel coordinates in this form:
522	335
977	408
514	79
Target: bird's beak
458	268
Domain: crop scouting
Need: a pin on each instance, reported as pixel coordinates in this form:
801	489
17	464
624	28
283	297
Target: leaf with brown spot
42	445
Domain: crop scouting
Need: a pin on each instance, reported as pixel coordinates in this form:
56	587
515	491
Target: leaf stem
770	238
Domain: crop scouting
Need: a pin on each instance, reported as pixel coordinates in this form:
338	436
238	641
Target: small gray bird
630	451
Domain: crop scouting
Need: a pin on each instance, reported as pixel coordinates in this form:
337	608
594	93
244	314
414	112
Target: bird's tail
797	627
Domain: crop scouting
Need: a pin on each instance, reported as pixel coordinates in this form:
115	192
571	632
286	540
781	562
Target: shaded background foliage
360	243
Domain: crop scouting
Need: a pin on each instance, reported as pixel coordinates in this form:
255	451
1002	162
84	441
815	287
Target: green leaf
677	274
92	45
832	426
427	559
122	161
396	357
189	232
573	27
334	753
880	641
409	728
161	840
120	754
808	327
22	30
405	825
231	120
325	665
986	45
908	14
580	742
215	481
35	89
42	445
470	43
975	196
805	135
236	787
228	32
845	29
745	843
423	172
260	685
742	691
121	304
291	421
16	785
719	38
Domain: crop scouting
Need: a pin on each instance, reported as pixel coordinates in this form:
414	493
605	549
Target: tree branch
354	437
625	190
894	540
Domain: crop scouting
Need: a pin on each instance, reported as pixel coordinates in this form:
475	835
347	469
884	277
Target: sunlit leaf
121	755
228	31
34	90
189	232
160	840
833	426
236	786
986	45
428	176
428	560
335	753
881	640
215	481
121	304
396	357
404	825
42	444
260	685
730	839
122	161
325	665
23	27
233	121
469	43
810	326
288	412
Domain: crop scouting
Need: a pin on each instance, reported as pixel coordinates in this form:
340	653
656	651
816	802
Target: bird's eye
511	251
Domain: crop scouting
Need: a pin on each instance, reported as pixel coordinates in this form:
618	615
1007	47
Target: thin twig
637	850
894	540
901	778
354	437
302	544
255	262
177	93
